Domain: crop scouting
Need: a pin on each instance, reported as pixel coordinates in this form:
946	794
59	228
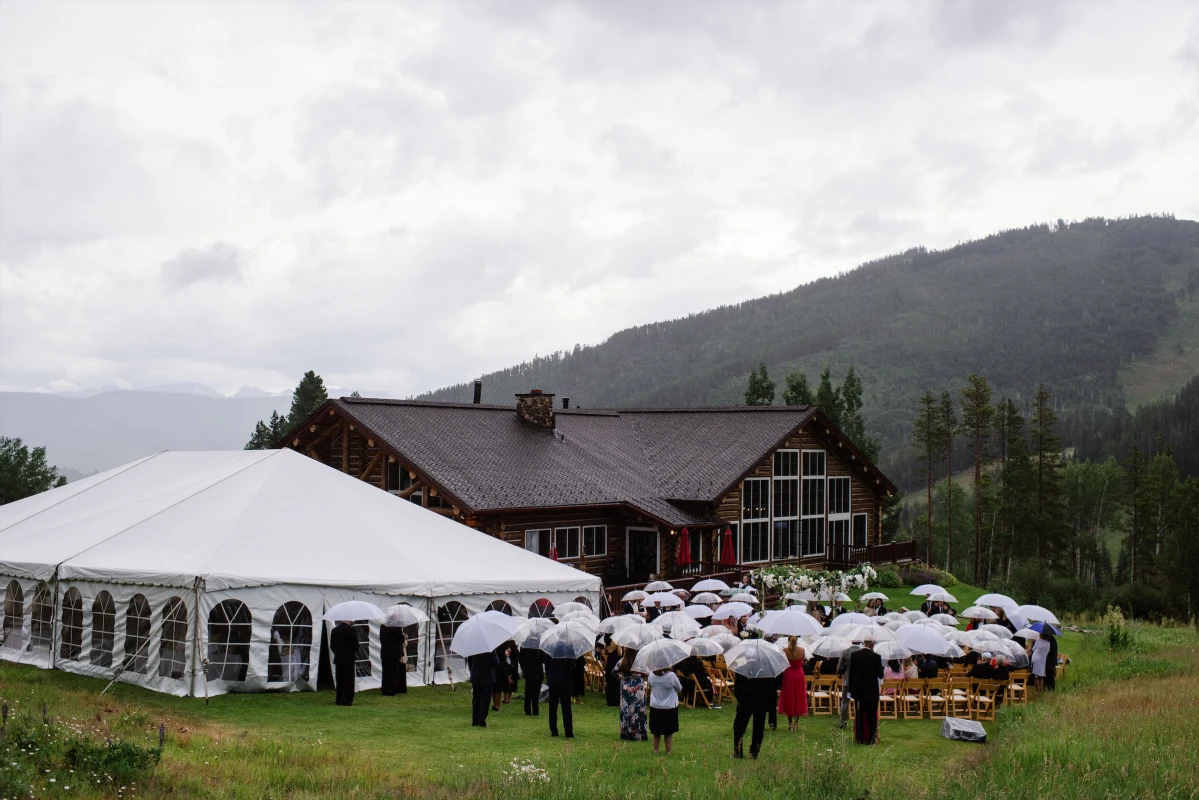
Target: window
501	606
541	607
566	540
229	627
786	504
860	531
538	541
755	520
291	638
811	523
695	540
362	660
595	540
137	635
838	511
172	647
72	625
393	476
14	615
104	623
449	618
41	623
584	601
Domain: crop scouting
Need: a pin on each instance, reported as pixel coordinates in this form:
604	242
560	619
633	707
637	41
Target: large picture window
291	637
14	615
72	625
812	504
172	647
755	520
104	624
861	536
838	510
229	627
41	622
786	504
449	618
595	540
137	635
566	540
537	541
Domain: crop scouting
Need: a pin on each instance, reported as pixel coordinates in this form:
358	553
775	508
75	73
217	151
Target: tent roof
249	518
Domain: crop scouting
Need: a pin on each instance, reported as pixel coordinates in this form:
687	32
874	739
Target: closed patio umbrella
684	548
727	556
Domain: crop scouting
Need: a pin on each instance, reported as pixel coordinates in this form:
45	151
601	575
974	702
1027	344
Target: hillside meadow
1119	726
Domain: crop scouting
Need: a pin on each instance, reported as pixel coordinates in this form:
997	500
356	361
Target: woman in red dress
793	699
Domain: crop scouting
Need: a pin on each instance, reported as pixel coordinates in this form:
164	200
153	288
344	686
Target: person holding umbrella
532	665
1044	656
865	671
632	699
559	675
482	682
755	664
343	643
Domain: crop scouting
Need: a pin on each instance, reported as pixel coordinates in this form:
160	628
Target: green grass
1082	742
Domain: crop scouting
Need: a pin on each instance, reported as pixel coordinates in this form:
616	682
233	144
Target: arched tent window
291	636
362	663
541	607
449	618
72	625
104	623
14	615
137	635
229	625
172	648
500	605
41	623
585	602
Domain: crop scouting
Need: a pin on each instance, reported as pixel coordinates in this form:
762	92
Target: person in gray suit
843	671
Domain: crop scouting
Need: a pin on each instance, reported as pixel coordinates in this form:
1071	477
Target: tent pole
449	670
54	622
196	636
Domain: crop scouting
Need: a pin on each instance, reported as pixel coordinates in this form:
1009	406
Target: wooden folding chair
911	699
722	688
1017	687
938	698
959	697
983	701
697	695
823	690
888	705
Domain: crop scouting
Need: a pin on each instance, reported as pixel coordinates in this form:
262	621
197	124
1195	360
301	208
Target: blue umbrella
1040	627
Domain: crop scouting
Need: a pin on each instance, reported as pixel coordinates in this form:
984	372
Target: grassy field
1117	727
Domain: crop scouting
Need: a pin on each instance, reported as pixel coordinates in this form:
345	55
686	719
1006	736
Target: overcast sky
402	196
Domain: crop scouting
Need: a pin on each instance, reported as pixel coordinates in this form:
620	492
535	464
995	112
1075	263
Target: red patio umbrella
727	556
685	548
553	553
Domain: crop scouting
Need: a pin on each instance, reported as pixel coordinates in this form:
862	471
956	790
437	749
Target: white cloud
405	195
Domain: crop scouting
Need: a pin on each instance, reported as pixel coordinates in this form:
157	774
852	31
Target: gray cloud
217	263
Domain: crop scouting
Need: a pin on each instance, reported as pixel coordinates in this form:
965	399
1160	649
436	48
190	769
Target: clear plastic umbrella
830	646
874	596
706	598
978	640
726	640
744	597
355	610
1037	614
698	612
662	654
732	611
680	624
800	597
997	630
851	618
634	596
789	623
585	617
710	585
665	599
704	647
658	586
922	639
613	624
978	612
713	630
865	633
567	608
403	615
892	650
912	616
926	589
637	636
568	640
946	619
1027	633
483	633
944	597
756	658
996	601
528	632
893	616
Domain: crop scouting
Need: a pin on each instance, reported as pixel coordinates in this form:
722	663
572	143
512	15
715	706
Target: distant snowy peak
254	391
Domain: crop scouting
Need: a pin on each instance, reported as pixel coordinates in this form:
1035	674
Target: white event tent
201	573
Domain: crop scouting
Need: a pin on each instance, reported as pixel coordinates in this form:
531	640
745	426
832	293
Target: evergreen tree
977	416
1045	447
1139	499
1015	480
267	434
926	438
796	391
1181	550
24	472
947	428
760	391
309	395
828	399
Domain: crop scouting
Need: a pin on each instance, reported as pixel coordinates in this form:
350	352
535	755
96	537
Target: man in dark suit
928	668
753	697
559	674
843	671
532	666
343	643
865	671
654	611
482	681
982	669
927	606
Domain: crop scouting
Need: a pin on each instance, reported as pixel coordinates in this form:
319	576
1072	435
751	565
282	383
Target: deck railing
846	555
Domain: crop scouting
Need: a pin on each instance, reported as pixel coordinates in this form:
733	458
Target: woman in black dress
505	675
578	679
611	673
393	646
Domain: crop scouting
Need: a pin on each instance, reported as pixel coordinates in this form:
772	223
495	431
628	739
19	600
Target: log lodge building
611	490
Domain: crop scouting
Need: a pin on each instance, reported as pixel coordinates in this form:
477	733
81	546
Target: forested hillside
1068	305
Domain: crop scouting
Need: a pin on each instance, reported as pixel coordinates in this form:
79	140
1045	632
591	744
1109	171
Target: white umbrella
892	616
842	596
800	597
662	654
996	600
713	630
710	585
1027	633
978	640
978	612
756	658
997	631
946	619
732	611
927	589
683	593
953	650
482	633
704	647
665	599
790	623
658	586
953	635
528	632
851	618
568	640
726	640
874	596
706	598
912	616
613	624
566	608
922	639
944	597
353	611
1016	619
831	646
744	597
637	636
680	624
895	624
586	617
403	615
866	633
892	650
1037	614
698	612
634	596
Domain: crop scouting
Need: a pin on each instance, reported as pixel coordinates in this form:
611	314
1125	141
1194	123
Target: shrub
1119	637
916	573
888	578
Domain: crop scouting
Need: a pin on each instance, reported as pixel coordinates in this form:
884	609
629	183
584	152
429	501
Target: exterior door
538	541
641	553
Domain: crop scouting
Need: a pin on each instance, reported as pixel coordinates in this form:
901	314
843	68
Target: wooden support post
345	447
371	467
408	492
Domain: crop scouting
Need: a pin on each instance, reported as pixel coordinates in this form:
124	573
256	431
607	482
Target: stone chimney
536	408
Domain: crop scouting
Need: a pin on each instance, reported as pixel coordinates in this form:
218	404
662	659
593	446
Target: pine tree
796	391
267	434
25	472
1045	447
1138	499
927	438
947	428
760	391
977	416
309	395
828	399
852	423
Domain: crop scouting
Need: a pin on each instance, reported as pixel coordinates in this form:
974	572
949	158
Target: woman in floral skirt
632	700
